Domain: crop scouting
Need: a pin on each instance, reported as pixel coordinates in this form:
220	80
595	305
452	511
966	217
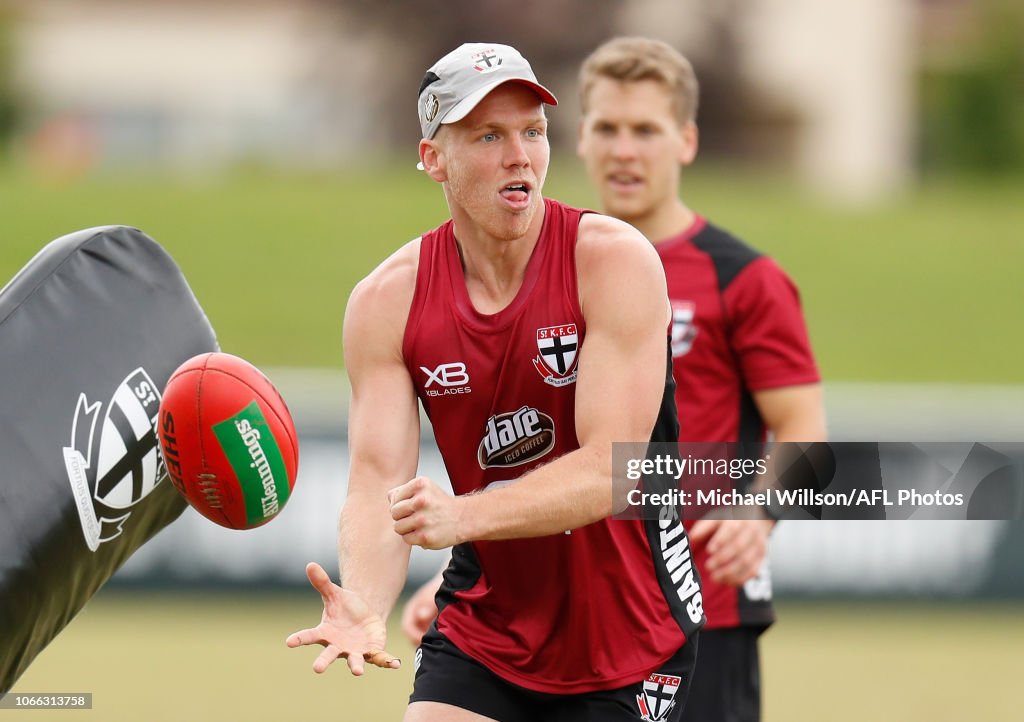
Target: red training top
593	608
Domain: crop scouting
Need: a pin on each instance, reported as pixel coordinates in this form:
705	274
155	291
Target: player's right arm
384	451
383	431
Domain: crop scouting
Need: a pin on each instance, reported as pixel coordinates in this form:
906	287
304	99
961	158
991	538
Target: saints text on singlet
591	608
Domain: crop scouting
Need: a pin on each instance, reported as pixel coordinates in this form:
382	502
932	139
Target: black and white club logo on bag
114	464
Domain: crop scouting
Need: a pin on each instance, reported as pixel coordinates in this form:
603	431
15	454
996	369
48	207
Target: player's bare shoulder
379	305
597	229
613	255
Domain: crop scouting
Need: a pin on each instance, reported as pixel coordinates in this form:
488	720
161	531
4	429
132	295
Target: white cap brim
465	106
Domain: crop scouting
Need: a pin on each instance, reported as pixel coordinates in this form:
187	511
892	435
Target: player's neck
494	268
664	222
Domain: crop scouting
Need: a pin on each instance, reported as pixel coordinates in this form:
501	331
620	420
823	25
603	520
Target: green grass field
923	288
222	657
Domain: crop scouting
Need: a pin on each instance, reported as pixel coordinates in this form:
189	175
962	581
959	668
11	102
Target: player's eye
533	133
489	137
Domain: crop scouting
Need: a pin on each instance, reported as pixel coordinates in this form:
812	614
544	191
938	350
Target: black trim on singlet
462	573
666	429
675	558
666	426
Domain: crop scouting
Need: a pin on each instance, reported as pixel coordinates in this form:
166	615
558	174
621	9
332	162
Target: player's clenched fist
424	514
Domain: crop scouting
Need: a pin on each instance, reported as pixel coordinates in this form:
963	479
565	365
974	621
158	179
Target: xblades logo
515	438
111	473
452	377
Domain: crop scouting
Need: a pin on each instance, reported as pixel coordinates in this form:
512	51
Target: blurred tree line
970	107
972	95
8	98
549	32
971	84
554	35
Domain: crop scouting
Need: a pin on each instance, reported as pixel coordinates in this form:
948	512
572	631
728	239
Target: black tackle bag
90	332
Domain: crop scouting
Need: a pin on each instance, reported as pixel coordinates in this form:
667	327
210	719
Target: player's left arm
619	389
793	413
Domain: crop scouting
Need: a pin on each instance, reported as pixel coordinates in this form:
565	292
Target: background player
548	327
742	360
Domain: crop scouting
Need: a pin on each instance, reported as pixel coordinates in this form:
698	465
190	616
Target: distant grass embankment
926	287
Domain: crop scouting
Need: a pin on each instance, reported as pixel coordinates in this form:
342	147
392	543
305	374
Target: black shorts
726	685
446	674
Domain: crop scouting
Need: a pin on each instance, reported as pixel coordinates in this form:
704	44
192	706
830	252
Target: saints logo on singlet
558	346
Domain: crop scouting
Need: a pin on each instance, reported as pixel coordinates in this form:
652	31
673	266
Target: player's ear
579	140
688	150
432	159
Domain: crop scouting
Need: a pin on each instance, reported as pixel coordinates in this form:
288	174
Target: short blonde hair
631	59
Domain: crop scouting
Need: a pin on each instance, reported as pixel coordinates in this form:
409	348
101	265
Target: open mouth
624	181
516	193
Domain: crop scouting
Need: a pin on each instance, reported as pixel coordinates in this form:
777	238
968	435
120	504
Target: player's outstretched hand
420	611
736	547
348	628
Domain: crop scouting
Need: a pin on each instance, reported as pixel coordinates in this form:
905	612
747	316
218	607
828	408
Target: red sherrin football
228	440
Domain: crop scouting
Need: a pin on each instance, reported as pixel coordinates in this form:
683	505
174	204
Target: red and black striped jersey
737	327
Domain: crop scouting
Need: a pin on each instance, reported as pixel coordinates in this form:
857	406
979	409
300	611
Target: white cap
461	79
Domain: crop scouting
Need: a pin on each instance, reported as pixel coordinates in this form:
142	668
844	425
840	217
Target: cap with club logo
456	83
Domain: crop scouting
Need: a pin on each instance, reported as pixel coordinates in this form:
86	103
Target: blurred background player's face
495	161
633	146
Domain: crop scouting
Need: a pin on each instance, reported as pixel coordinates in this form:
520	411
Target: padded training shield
90	332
